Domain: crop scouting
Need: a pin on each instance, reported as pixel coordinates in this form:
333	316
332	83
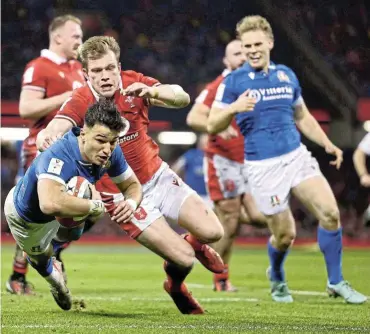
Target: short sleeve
119	170
59	169
34	77
207	96
365	144
225	94
73	109
297	95
149	81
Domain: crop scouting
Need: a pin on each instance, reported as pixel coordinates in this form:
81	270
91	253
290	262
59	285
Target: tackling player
266	100
31	206
227	185
166	197
47	82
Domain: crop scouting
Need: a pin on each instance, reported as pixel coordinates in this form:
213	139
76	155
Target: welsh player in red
165	196
226	183
47	82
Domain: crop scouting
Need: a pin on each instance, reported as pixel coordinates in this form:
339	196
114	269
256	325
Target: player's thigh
160	238
316	195
228	211
199	219
251	209
282	225
32	238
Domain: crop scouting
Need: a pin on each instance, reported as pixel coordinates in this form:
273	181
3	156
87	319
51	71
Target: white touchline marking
295	292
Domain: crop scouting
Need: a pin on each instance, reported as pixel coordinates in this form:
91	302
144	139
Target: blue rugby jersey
269	130
60	163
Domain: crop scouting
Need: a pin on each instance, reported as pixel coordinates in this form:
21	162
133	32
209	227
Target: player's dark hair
105	112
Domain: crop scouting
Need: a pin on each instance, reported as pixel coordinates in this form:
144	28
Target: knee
285	239
214	234
330	218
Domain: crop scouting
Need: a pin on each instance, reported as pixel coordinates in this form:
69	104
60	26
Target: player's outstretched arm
359	161
33	105
54	131
132	192
54	201
168	96
308	125
198	116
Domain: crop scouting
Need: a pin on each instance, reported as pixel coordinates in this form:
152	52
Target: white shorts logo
55	166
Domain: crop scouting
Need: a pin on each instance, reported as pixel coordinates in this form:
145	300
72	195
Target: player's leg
270	185
150	229
17	282
34	239
250	213
282	228
316	194
228	212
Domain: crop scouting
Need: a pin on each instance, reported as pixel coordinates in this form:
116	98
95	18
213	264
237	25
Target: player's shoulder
39	63
242	73
75	65
281	68
215	83
83	94
129	77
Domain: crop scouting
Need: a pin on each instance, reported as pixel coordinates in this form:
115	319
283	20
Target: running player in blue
266	100
31	206
190	167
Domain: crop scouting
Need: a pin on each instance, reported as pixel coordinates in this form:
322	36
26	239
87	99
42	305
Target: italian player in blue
190	166
266	100
31	206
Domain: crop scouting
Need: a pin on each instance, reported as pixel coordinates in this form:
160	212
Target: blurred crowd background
182	41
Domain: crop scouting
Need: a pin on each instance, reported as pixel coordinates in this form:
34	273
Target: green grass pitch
121	287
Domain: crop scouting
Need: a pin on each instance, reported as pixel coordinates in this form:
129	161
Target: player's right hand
123	212
45	140
244	103
365	180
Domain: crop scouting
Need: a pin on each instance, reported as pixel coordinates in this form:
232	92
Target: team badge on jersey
282	76
275	200
130	100
140	213
55	166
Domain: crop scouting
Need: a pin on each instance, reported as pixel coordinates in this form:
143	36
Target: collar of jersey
46	53
94	92
249	68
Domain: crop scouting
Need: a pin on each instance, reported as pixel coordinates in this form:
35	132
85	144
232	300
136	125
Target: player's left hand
333	150
140	90
123	213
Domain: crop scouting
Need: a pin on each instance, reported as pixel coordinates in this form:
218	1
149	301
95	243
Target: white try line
164	299
198	326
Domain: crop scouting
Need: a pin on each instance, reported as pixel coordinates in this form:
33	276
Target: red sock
20	265
194	242
223	276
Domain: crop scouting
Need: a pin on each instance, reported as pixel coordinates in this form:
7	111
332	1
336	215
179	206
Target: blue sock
277	259
57	245
330	243
43	266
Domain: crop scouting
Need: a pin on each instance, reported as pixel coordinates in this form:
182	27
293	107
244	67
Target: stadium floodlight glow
13	134
367	126
177	137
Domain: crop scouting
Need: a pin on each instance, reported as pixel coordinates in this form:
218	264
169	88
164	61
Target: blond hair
96	47
60	21
254	23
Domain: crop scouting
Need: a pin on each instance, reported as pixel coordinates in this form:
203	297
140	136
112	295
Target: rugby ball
79	187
